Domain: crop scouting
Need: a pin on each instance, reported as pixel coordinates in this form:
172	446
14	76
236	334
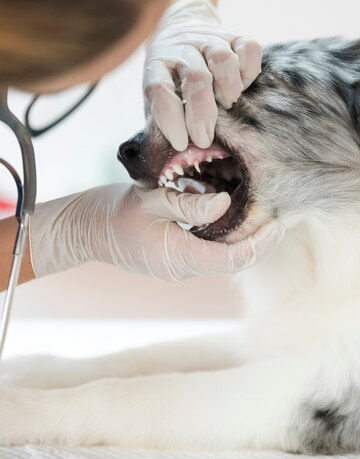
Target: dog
289	150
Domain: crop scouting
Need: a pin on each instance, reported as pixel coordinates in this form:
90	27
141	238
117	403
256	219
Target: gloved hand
207	57
136	231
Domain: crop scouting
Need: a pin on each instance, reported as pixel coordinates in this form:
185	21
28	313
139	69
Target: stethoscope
25	206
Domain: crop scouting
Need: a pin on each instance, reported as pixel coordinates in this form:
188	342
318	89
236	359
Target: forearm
8	228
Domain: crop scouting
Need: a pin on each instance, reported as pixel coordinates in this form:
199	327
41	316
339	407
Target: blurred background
81	153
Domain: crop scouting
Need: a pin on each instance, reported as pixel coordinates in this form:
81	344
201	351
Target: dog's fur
290	380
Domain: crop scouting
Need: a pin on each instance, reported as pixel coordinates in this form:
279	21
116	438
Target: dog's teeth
178	169
169	174
209	159
163	179
197	167
160	183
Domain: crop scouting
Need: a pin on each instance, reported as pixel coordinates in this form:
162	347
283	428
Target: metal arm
25	205
27	152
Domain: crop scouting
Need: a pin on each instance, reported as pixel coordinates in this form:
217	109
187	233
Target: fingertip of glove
202	133
175	132
179	143
223	200
219	204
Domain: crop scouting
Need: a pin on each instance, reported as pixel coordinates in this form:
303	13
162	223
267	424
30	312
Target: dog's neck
317	265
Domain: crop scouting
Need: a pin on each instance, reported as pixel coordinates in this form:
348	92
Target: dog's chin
231	221
211	170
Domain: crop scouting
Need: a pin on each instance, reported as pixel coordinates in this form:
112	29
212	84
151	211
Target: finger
187	208
165	106
249	53
198	209
197	90
207	257
223	63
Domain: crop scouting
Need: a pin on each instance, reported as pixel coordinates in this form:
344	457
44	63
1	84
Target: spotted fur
290	378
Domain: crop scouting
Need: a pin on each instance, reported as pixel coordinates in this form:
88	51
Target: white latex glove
210	60
136	231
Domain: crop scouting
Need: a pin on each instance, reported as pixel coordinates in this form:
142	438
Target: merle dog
289	150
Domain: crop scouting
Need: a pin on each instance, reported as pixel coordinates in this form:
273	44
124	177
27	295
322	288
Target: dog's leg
242	407
45	372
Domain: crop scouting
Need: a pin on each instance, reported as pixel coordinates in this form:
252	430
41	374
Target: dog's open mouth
210	170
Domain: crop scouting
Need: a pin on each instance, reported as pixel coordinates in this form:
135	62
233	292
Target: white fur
215	393
292	372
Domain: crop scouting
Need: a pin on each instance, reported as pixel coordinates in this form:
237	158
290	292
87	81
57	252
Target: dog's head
288	149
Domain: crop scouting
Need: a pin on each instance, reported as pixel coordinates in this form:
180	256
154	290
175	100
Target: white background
81	153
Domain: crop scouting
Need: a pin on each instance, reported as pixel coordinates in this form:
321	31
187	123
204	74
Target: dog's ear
348	59
355	108
350	95
351	57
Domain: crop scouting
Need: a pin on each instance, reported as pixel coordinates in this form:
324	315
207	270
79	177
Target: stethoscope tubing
24	209
27	153
26	191
19	249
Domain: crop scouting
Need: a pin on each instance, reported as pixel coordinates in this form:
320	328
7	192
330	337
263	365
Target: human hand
212	63
135	230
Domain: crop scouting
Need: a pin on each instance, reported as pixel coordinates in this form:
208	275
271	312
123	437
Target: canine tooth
197	167
209	159
178	169
160	183
169	174
163	179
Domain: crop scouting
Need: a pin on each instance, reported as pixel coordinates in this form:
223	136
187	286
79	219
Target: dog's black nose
129	153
